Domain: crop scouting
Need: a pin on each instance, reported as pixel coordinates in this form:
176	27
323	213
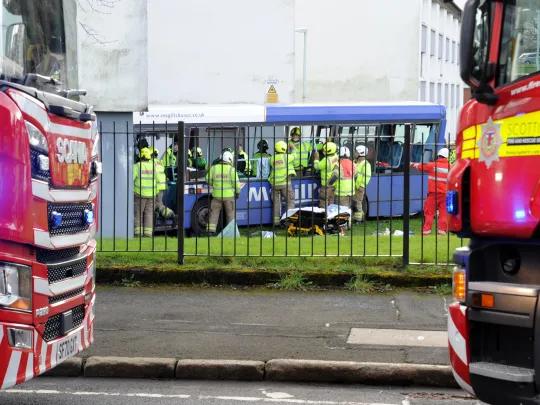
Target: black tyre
200	215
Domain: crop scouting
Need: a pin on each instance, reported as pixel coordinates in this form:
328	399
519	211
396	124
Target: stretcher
317	221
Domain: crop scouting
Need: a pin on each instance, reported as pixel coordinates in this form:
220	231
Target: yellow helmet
329	148
153	151
190	154
280	147
295	131
199	151
145	154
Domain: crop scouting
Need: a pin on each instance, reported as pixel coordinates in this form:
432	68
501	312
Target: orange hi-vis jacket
437	174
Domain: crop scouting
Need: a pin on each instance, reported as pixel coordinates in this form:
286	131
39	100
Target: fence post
180	185
407	194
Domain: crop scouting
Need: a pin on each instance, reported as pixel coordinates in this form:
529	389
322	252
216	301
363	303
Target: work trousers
434	202
161	208
344	200
279	193
358	213
143	210
326	196
228	204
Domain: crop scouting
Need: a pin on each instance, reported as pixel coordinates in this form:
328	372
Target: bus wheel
200	215
365	207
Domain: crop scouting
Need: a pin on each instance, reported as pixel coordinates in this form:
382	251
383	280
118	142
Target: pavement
67	391
260	325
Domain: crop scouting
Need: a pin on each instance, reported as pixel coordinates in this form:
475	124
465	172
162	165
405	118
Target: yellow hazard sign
272	96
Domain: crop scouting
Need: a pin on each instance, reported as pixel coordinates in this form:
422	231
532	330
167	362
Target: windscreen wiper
34	80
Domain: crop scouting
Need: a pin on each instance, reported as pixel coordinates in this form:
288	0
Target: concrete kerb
273	370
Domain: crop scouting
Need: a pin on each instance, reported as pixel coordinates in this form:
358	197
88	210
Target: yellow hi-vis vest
145	180
169	158
364	174
345	184
161	177
224	180
301	151
326	167
281	168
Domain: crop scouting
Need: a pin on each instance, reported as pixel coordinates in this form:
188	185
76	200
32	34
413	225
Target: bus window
391	138
353	136
423	143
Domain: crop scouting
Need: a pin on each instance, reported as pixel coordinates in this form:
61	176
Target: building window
439	93
446	95
458	97
457	56
422	91
441	41
432	92
433	43
453	51
447	49
424	39
453	96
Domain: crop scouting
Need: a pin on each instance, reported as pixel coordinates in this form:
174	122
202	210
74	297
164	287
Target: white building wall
439	74
214	52
358	50
113	54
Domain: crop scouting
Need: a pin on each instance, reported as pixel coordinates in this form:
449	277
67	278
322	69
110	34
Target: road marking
200	397
395	337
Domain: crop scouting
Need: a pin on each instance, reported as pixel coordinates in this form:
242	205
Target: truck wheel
200	215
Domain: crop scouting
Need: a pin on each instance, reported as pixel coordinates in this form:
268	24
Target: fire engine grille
73	269
36	173
52	327
72	218
46	256
66	296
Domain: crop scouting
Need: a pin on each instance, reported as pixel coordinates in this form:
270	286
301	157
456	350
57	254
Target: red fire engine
494	199
49	170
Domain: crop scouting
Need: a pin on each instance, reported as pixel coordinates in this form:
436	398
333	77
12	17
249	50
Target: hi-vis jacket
437	174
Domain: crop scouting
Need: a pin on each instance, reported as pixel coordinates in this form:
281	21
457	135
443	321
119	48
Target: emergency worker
243	166
262	152
281	171
161	208
169	157
452	158
190	158
146	190
199	162
436	198
327	167
301	150
363	169
345	178
226	189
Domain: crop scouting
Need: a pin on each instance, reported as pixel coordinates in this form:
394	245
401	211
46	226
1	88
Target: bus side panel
389	200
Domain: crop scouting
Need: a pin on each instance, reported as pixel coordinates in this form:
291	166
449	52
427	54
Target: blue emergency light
56	219
88	217
452	202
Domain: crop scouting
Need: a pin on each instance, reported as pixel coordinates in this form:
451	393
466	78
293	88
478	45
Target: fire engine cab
493	198
49	173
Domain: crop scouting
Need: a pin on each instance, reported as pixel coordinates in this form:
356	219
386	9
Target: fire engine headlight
37	139
15	287
20	338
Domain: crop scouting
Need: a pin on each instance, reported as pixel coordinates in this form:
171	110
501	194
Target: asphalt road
261	324
46	391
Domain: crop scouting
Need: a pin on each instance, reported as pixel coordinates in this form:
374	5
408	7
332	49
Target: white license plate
67	348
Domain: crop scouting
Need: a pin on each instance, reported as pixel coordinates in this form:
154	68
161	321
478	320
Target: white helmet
361	149
344	151
227	157
444	153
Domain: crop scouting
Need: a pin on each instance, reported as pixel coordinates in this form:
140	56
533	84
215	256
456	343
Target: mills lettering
71	152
